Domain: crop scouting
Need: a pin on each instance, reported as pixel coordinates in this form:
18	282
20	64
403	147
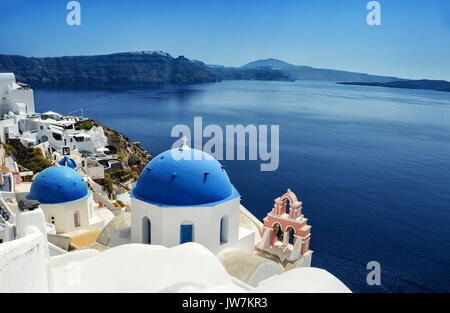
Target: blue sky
413	40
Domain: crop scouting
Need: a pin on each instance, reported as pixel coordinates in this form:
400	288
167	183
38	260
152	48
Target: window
57	136
76	218
224	230
146	230
186	232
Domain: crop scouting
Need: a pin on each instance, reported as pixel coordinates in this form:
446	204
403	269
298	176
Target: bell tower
286	233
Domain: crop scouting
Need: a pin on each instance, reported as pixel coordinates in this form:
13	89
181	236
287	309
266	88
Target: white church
185	195
66	201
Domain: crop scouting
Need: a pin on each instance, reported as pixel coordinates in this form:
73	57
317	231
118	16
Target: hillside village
73	191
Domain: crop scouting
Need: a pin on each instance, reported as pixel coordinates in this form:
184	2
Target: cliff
130	67
132	154
159	67
112	68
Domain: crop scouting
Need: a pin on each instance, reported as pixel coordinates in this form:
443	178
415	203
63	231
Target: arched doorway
186	232
146	230
224	230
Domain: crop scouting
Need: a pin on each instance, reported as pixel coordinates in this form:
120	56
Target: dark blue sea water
371	164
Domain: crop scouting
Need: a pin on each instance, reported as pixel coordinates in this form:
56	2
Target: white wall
146	268
6	83
264	271
24	265
8	126
166	221
21	95
64	214
2	232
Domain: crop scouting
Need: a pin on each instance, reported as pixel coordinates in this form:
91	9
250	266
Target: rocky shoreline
133	156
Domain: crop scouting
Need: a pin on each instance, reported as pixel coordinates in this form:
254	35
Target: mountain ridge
303	72
161	67
138	66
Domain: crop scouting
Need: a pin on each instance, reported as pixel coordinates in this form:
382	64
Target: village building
185	195
66	200
51	131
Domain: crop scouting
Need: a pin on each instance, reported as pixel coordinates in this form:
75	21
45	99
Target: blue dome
184	177
66	161
58	184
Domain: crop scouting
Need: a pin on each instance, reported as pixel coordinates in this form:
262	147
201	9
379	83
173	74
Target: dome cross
185	146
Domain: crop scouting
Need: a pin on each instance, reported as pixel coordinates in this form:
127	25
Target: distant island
160	67
437	85
297	72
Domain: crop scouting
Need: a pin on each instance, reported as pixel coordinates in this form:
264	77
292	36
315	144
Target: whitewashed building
18	119
185	195
16	103
66	201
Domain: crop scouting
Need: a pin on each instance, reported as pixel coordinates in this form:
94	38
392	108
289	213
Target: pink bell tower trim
286	232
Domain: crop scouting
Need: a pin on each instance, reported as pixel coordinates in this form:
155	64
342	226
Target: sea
370	164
